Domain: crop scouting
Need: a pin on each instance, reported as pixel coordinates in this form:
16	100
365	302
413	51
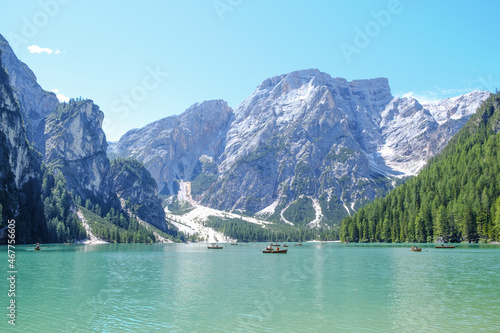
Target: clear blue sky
223	49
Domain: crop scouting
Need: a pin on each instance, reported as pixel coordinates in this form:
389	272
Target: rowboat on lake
274	251
416	249
215	247
444	247
284	245
298	244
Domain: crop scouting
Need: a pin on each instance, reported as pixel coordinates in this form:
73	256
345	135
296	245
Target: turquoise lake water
312	288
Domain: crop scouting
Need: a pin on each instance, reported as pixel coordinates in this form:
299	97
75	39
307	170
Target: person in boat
413	248
37	246
277	249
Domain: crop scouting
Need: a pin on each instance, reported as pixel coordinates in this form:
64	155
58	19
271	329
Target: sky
143	61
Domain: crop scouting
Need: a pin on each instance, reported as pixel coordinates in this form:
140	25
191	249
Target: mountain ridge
303	133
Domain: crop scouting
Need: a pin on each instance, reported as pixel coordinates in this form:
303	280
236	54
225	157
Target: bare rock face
35	103
135	186
19	185
75	145
170	148
299	135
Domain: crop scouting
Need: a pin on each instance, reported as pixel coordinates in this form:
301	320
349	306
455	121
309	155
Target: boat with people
275	251
234	243
275	244
37	247
416	249
442	246
284	245
298	244
215	247
271	249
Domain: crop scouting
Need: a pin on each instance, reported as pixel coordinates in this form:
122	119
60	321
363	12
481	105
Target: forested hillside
455	198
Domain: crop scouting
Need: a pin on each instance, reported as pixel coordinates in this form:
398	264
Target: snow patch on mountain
457	107
316	223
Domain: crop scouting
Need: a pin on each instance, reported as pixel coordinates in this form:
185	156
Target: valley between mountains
304	151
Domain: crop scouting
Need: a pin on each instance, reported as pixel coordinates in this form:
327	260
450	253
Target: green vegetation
455	198
117	227
177	207
342	156
248	232
62	224
202	182
333	209
301	211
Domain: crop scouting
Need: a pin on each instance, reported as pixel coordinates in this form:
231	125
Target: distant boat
215	247
275	244
284	245
37	247
444	247
417	249
323	243
234	243
274	251
298	244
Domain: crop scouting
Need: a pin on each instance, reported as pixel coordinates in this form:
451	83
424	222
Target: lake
312	288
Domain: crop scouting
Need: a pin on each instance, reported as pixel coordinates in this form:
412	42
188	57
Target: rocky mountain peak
457	107
302	138
204	115
35	102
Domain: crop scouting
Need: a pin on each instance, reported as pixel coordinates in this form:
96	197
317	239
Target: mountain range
455	198
303	150
55	165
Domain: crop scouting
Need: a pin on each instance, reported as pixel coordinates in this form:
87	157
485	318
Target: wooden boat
417	250
274	251
275	244
298	244
215	247
234	243
284	245
444	247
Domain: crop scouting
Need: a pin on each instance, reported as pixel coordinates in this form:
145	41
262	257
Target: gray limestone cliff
299	135
75	144
171	148
138	192
35	103
19	174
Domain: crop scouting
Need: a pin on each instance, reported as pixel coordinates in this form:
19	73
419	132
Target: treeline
116	227
60	206
62	224
455	198
250	232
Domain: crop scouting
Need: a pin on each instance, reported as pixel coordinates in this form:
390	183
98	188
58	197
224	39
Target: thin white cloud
60	96
37	49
